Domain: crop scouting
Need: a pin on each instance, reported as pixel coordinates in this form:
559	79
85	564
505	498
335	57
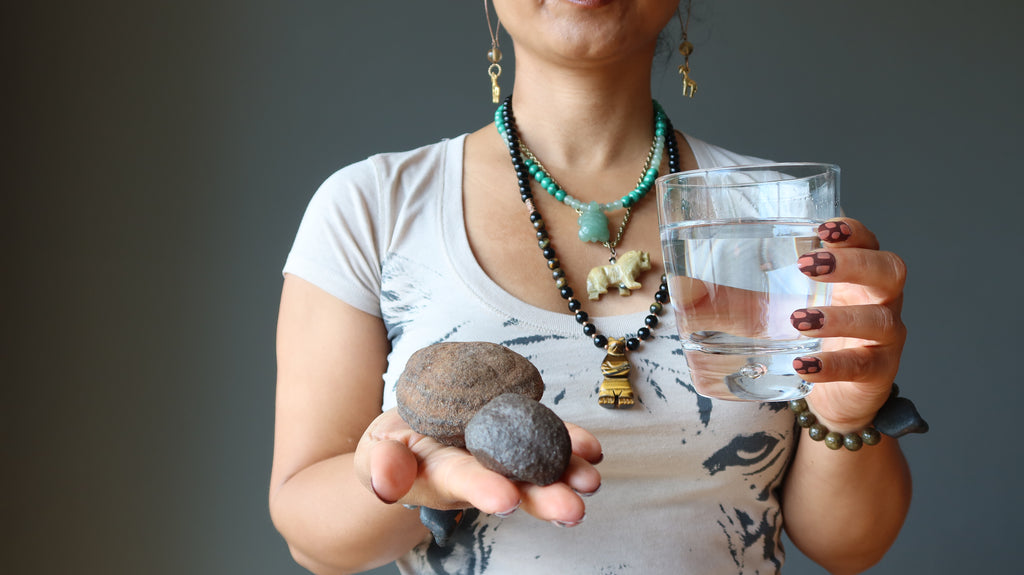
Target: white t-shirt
689	484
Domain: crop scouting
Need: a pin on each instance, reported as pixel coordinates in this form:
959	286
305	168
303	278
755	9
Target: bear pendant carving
621	273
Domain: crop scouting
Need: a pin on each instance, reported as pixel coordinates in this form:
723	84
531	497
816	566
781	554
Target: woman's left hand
853	376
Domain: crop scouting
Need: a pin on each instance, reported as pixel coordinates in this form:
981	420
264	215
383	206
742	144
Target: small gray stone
521	439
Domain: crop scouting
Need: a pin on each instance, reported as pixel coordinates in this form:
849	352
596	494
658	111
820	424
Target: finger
390	425
847	232
581	476
386	427
393	468
457	479
875	365
557	503
584	444
882	271
878	323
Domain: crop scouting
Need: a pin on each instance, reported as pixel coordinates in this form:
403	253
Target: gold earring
493	56
686	48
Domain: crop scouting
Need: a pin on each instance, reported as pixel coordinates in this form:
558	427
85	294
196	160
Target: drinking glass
731	238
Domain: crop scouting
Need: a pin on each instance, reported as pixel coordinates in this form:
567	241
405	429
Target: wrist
851	435
896	417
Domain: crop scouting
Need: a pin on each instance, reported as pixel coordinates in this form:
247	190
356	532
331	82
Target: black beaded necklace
615	390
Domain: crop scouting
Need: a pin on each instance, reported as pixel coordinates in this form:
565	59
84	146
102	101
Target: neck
585	119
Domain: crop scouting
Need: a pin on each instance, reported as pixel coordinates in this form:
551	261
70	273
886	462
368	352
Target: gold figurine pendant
686	48
494	72
616	391
689	86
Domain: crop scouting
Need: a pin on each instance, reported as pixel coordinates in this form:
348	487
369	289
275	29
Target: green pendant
593	224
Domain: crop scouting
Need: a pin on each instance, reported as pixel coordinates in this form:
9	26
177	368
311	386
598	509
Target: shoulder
384	170
712	156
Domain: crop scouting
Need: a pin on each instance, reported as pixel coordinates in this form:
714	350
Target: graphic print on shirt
758	460
407	302
749	533
468	551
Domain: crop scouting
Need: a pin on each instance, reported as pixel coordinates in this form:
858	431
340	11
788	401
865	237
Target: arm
844	509
340	464
331	358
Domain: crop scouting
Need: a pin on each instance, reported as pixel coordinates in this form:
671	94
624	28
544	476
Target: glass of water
731	238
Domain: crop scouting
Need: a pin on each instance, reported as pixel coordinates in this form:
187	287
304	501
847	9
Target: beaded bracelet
897	417
833	439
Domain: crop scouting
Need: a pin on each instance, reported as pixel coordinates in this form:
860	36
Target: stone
442	523
521	439
898	417
445	384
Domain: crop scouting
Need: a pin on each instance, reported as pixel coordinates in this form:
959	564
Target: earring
686	48
493	56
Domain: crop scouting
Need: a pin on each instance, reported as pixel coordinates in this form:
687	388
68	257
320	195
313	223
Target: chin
586	29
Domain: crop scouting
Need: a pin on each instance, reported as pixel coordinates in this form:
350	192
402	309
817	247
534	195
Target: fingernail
588	493
569	523
834	232
374	489
807	364
805	319
600	458
504	514
817	263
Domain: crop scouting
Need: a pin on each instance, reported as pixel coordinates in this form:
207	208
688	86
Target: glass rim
824	168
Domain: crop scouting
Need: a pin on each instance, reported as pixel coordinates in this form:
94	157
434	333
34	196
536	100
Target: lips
591	3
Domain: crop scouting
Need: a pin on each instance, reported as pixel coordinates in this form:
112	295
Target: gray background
159	155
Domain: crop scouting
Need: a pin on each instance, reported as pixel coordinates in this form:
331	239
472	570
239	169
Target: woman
437	244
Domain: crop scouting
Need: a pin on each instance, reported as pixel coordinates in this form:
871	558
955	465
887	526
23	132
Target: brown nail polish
807	319
817	263
834	232
807	364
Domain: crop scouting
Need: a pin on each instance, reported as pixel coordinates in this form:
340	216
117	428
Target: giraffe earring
493	56
686	48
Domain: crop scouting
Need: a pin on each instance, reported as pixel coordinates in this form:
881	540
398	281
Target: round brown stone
445	384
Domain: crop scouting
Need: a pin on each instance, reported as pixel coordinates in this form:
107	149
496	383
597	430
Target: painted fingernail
569	523
805	319
374	489
807	364
817	263
834	232
504	514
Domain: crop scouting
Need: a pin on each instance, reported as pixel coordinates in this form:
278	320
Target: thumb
393	468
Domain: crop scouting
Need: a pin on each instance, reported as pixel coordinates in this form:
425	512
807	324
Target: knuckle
890	322
859	365
897	268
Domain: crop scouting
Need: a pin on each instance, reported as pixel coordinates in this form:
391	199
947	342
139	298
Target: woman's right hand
399	465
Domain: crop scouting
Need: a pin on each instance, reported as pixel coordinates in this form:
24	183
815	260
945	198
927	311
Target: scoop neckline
492	295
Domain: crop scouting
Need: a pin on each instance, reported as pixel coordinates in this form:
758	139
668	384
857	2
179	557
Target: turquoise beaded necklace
615	391
593	220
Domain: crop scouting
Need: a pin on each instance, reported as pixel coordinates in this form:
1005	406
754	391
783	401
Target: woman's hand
399	465
854	374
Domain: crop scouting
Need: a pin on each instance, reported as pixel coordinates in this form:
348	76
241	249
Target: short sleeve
338	245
